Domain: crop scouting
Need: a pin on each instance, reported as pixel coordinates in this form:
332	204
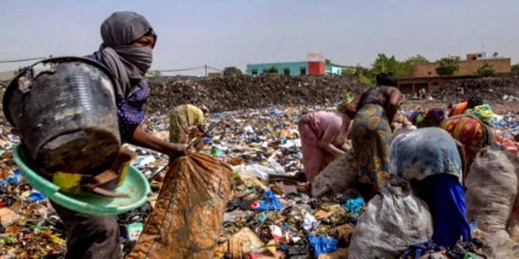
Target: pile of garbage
234	93
257	142
276	217
267	216
495	90
29	227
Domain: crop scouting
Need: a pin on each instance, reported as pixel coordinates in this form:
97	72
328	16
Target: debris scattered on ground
276	218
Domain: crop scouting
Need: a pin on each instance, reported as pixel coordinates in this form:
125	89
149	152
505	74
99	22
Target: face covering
136	59
125	62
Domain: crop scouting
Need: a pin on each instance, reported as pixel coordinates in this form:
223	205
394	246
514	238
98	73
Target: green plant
272	70
515	68
487	70
365	80
447	66
232	71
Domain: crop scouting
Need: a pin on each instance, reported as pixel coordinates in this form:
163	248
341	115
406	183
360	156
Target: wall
316	67
467	67
411	86
333	70
294	68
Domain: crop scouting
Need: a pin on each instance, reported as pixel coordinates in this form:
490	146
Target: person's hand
207	135
176	150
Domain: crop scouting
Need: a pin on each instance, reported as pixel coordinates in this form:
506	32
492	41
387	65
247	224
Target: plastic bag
271	202
259	171
339	176
188	215
491	191
392	222
322	244
354	206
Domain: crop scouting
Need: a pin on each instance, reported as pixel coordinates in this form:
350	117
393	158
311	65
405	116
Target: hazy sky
232	32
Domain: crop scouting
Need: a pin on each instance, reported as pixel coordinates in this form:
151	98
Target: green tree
448	66
515	68
487	70
384	63
272	70
365	80
409	65
232	71
349	71
418	59
364	75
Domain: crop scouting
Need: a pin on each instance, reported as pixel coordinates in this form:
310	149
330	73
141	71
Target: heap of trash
495	90
271	213
241	92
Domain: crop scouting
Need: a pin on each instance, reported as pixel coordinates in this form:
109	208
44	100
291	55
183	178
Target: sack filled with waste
393	220
188	214
491	191
338	176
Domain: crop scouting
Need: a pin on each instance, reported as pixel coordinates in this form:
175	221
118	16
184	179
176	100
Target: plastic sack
339	176
259	171
491	191
322	244
278	168
392	221
188	214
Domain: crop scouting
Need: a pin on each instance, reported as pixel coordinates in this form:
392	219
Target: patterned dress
424	152
371	140
372	135
468	130
181	119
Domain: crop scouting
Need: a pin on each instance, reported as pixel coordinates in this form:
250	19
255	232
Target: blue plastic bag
354	206
14	179
322	244
271	202
36	196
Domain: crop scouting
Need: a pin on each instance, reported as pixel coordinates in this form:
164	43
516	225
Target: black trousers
90	236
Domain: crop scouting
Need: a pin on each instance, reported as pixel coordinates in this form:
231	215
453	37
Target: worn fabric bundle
339	176
430	157
491	191
188	215
393	220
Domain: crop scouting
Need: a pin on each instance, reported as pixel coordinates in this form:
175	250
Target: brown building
413	85
469	66
215	74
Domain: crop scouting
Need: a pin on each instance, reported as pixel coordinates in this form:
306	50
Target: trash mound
234	93
495	90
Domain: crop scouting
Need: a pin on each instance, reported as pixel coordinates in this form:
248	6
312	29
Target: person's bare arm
394	103
348	136
351	108
328	139
463	156
146	140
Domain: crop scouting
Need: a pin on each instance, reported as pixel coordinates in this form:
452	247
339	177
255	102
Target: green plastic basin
135	184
